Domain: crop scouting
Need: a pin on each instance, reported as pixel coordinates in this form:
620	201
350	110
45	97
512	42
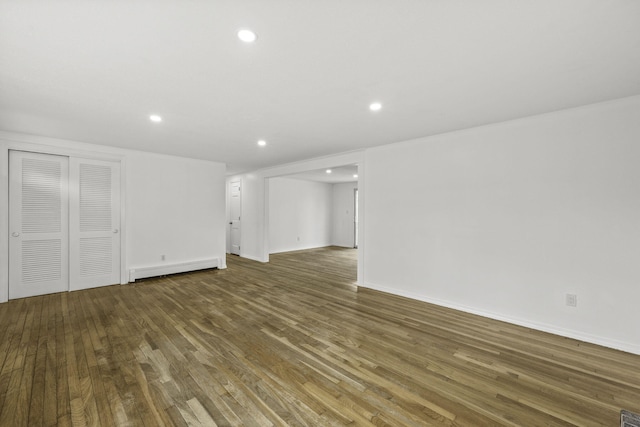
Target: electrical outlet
571	300
298	238
162	257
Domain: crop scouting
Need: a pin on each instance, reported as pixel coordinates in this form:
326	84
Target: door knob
15	234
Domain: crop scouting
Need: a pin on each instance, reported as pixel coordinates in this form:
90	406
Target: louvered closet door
94	223
38	224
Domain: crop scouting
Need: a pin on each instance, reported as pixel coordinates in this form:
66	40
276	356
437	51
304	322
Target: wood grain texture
292	342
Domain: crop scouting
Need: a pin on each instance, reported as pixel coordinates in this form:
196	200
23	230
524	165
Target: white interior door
234	214
38	224
94	223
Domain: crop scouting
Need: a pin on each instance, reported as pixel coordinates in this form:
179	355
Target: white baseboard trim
567	333
253	258
183	267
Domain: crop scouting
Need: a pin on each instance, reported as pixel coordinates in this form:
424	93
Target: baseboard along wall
165	269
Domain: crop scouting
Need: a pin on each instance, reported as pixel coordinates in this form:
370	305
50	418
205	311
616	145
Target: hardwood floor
291	343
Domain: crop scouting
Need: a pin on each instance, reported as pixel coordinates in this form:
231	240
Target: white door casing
38	224
235	207
355	218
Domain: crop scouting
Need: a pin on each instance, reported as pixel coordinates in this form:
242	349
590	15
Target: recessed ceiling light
155	118
262	143
355	175
247	36
328	170
376	106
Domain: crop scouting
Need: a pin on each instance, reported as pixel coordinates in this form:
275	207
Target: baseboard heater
165	269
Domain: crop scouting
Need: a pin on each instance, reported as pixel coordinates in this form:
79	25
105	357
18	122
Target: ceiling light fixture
355	175
247	36
262	143
155	118
328	170
376	106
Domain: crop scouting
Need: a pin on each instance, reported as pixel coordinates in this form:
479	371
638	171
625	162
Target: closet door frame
19	142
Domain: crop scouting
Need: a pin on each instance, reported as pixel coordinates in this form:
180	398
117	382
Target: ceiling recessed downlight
247	36
262	143
376	106
355	175
328	170
155	118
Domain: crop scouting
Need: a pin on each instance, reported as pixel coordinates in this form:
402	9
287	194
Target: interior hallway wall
299	214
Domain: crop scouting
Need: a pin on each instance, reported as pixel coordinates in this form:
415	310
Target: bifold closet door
94	223
64	219
38	224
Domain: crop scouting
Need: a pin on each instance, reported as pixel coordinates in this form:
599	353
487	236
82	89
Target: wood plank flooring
291	342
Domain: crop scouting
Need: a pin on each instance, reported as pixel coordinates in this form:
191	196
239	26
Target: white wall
173	206
299	214
504	220
176	208
343	214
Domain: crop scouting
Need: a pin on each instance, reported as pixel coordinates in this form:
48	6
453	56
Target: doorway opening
314	209
235	209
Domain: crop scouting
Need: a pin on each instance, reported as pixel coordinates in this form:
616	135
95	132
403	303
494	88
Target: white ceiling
338	175
94	70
